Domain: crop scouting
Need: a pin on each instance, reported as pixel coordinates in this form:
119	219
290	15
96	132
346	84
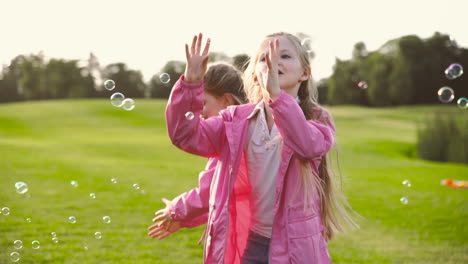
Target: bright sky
145	34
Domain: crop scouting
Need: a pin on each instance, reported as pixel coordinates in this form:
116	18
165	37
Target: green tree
8	89
376	68
65	79
343	84
240	61
218	56
28	71
159	89
127	81
322	88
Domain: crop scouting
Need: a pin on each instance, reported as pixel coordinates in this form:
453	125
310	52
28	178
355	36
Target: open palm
196	60
163	224
269	80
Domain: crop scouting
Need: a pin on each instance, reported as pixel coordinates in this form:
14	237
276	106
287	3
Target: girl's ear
255	79
305	75
228	99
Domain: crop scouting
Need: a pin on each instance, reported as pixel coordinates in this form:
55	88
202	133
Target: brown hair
335	210
223	78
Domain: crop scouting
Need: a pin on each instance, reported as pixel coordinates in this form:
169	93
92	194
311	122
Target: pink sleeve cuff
190	84
283	96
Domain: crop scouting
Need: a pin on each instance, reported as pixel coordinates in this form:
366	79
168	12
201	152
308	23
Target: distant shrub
444	137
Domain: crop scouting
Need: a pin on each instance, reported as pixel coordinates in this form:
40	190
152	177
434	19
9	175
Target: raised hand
196	61
164	225
269	80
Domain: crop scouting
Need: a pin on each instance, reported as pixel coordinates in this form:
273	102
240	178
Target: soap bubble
117	99
106	219
74	184
5	211
109	85
92	195
462	102
189	115
165	78
404	200
446	94
454	71
114	180
18	244
363	85
98	235
36	244
128	104
15	256
406	183
72	219
21	187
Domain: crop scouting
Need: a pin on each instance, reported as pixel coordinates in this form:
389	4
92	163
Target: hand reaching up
164	225
269	80
196	61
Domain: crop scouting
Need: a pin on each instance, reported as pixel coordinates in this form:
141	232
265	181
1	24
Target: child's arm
189	209
307	138
193	204
194	135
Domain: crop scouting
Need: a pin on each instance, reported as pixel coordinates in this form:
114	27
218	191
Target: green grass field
48	144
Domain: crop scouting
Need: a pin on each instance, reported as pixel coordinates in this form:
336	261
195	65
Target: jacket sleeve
191	208
307	138
197	136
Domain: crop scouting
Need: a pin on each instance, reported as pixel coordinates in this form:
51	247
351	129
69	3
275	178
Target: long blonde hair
335	210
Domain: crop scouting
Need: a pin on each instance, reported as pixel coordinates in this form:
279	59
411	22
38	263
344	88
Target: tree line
404	71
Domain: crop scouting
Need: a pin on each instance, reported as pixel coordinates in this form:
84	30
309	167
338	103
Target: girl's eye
285	56
262	59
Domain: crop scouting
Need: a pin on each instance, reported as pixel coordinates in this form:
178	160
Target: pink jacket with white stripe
297	233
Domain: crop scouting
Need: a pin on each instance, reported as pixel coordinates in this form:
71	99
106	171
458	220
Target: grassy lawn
51	143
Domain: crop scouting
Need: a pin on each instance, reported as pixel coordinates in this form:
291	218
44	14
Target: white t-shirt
263	160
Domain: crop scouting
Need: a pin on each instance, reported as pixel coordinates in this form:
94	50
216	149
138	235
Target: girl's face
290	70
212	105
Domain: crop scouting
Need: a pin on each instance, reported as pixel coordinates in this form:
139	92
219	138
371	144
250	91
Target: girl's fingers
156	233
207	47
165	235
268	59
166	202
152	227
160	214
194	41
161	233
161	219
161	211
199	42
168	226
187	53
273	50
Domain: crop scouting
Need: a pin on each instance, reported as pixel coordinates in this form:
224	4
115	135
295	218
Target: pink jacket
297	233
191	208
